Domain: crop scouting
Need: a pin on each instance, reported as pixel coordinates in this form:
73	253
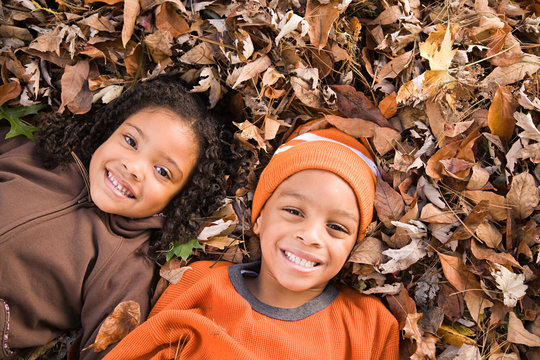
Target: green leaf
18	127
183	250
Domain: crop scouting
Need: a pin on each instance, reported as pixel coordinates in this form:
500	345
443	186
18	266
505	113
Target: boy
312	204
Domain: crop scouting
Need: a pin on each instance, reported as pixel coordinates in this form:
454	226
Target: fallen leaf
476	305
173	271
511	284
72	82
124	318
432	214
457	274
168	19
483	253
439	53
358	128
501	113
489	234
506	75
251	70
9	91
355	104
523	195
201	54
401	259
497	203
517	333
388	105
320	16
394	67
368	251
388	203
385	139
131	10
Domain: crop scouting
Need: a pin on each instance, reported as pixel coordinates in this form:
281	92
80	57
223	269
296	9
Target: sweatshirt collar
236	275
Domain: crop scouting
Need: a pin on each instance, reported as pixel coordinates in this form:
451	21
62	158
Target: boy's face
307	229
143	164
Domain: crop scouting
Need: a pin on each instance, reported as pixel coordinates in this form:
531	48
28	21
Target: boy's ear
256	225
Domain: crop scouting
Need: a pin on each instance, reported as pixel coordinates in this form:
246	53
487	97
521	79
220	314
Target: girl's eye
338	227
130	141
293	211
163	172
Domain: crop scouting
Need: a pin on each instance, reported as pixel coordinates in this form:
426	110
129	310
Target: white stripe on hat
308	137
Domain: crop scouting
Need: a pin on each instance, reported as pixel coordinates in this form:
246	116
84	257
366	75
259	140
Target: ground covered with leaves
447	93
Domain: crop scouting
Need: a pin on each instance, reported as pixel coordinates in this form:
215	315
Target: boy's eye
130	141
338	227
293	211
163	172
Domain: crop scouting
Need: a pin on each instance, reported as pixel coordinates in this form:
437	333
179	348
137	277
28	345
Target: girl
85	209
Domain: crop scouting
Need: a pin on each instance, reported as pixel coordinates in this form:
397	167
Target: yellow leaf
453	337
501	119
439	54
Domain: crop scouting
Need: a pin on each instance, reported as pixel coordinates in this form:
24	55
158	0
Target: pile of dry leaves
447	94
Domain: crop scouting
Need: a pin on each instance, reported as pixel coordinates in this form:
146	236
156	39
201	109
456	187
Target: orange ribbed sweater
205	317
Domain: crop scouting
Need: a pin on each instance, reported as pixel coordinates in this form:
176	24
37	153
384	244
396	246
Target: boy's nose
309	235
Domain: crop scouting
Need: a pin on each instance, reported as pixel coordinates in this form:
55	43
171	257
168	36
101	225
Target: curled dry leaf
131	10
369	251
124	318
173	271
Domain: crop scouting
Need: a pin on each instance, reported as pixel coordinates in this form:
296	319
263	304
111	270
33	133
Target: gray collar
236	275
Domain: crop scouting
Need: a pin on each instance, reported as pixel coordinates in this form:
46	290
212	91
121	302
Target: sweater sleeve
197	271
128	280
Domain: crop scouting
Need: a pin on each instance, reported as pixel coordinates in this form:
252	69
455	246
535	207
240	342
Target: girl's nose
135	169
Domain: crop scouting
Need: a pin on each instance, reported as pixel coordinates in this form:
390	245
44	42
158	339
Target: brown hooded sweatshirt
64	264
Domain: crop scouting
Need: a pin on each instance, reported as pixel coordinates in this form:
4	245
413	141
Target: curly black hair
83	134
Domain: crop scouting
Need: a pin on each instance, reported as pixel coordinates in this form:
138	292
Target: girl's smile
119	187
143	164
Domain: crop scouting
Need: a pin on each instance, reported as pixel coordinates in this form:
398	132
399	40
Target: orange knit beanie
328	149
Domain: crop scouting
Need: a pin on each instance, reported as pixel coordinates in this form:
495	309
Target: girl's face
143	164
307	229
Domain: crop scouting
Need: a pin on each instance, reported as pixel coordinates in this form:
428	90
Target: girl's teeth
299	261
119	187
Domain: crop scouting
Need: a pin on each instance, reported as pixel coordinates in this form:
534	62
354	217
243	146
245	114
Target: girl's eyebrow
141	133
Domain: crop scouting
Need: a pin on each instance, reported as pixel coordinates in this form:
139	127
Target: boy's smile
307	229
143	164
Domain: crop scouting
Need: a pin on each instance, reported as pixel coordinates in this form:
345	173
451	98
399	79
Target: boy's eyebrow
341	212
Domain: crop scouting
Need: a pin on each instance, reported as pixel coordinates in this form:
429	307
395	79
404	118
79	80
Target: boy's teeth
119	187
299	261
